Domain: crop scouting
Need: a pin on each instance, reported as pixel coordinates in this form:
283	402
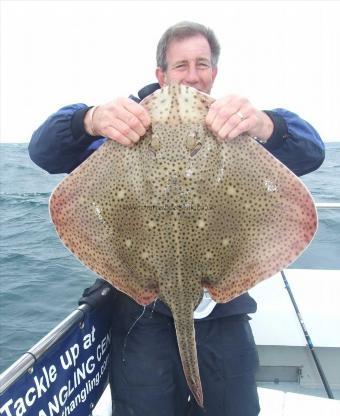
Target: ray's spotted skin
180	211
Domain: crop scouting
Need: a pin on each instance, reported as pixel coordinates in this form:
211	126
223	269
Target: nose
191	76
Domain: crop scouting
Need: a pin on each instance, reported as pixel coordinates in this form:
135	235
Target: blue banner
69	378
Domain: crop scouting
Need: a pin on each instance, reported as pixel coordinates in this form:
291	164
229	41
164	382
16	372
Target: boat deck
273	402
276	402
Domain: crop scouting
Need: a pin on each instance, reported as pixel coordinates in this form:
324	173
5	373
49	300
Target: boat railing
329	205
81	320
72	356
28	359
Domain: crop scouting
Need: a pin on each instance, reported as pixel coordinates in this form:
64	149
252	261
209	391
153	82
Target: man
146	372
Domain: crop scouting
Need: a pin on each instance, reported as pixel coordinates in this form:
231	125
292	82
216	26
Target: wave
24	201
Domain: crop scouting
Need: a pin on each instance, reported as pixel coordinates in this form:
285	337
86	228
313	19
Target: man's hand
122	120
232	115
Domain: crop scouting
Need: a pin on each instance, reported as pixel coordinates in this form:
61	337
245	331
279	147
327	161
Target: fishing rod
308	339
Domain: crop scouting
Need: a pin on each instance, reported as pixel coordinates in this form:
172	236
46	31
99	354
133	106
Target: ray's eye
193	144
154	144
196	149
191	141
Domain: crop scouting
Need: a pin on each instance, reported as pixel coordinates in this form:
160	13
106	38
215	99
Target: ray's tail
185	332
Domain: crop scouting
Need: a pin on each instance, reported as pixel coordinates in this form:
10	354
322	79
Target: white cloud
278	54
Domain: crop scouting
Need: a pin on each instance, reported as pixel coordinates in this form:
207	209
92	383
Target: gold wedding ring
240	115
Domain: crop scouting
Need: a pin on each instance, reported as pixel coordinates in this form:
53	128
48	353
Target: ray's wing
97	212
259	218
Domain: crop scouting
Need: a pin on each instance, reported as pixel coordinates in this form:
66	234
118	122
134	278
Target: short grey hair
184	30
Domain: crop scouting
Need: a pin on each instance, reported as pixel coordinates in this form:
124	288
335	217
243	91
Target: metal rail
28	359
330	205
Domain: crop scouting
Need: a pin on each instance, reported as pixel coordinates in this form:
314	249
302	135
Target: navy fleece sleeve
297	144
60	144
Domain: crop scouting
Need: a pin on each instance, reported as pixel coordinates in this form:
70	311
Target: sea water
41	281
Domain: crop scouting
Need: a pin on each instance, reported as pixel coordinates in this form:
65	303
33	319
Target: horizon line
337	140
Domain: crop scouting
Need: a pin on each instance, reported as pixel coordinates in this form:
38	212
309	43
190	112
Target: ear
161	77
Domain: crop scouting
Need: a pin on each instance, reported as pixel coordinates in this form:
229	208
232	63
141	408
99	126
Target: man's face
189	63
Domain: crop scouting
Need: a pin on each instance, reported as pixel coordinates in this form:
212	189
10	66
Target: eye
193	144
154	145
203	65
194	151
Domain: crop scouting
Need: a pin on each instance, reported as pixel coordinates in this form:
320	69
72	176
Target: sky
275	53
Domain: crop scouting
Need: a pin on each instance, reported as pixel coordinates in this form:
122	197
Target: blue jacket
60	144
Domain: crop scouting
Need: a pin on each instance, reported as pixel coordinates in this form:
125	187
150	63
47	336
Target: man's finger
234	132
227	105
122	115
127	131
114	134
138	111
241	128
